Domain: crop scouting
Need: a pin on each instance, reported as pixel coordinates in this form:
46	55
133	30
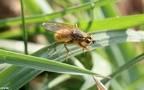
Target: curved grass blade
107	24
121	69
102	39
41	18
40	63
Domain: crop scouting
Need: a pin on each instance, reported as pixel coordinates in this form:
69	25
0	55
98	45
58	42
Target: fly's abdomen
61	38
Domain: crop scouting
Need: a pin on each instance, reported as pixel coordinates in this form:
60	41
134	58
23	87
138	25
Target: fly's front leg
84	47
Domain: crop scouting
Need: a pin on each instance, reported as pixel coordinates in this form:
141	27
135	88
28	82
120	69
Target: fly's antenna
76	25
93	41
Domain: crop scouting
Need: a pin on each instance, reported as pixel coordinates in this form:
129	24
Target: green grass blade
121	69
136	83
110	10
115	23
107	24
102	39
128	65
40	63
24	27
42	18
32	7
17	73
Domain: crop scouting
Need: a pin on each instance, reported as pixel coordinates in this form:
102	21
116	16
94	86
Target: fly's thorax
78	34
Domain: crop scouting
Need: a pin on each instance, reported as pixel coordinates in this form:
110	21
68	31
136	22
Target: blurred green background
90	16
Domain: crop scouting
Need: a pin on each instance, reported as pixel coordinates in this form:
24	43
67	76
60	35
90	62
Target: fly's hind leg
67	51
64	46
55	47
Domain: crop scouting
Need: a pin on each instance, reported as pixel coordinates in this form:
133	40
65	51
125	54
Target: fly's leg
56	45
67	51
83	51
84	47
54	49
64	46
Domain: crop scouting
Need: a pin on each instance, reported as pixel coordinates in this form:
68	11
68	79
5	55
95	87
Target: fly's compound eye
88	41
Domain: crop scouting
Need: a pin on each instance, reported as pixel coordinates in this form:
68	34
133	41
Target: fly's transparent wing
55	26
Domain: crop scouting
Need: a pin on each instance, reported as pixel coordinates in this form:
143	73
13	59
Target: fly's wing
65	30
55	26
